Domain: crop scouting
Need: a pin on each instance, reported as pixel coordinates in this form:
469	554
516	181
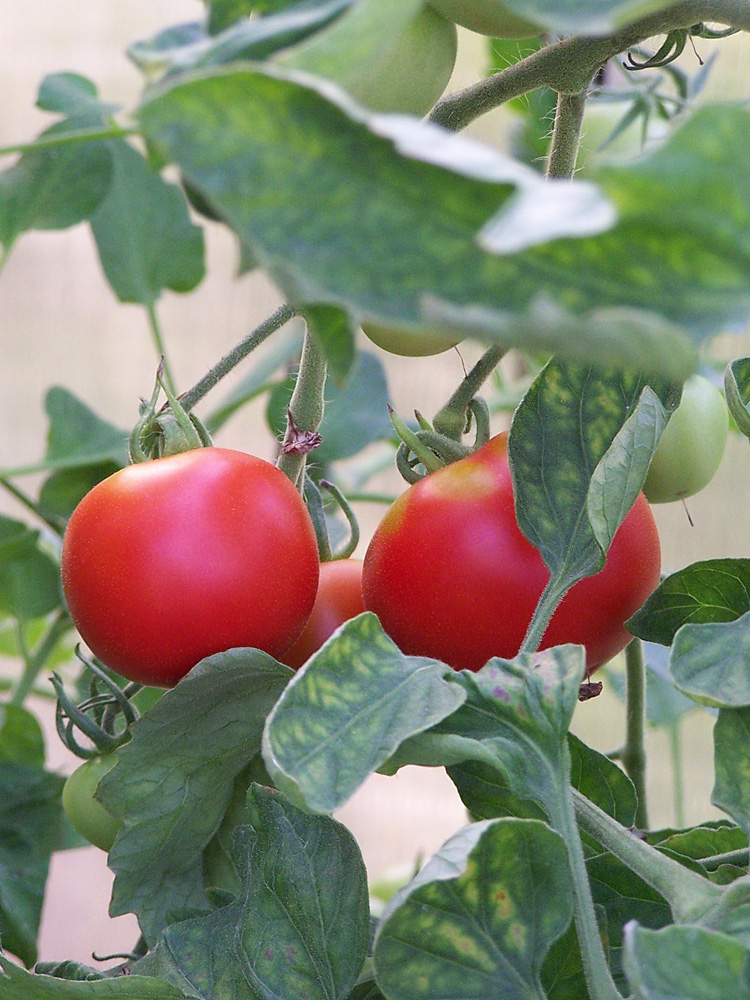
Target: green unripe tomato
486	17
406	70
691	447
86	814
397	340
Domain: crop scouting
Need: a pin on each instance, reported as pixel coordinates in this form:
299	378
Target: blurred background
61	325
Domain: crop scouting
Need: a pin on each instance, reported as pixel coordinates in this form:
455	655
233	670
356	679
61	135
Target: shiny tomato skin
450	574
339	599
169	561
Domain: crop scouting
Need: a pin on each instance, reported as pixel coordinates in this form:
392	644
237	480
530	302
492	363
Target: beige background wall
60	324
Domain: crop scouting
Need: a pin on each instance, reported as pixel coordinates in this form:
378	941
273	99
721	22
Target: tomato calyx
104	718
168	430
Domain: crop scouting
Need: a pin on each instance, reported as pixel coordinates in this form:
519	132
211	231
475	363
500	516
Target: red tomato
169	561
451	576
339	599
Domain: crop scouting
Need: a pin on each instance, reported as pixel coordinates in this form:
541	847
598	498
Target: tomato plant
86	814
167	562
488	17
583	305
339	598
407	343
692	445
450	575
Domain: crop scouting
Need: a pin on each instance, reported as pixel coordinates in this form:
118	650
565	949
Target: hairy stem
689	895
305	407
568	66
230	361
566	135
678	788
451	419
158	339
633	755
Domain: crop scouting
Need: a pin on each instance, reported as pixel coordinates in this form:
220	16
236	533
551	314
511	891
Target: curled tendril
104	717
671	49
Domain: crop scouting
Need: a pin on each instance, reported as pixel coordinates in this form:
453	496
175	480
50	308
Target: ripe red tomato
169	561
339	599
451	576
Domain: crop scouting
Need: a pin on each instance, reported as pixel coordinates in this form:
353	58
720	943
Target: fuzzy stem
305	407
566	135
158	339
246	346
678	791
548	603
568	65
633	755
689	895
451	419
599	980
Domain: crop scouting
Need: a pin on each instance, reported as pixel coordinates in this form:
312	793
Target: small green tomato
407	343
691	447
86	814
486	17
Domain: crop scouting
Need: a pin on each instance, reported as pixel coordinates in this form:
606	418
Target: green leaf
29	576
622	896
716	590
30	815
187	46
686	962
348	710
737	389
300	927
53	188
479	918
393	239
580	445
174	781
224	13
731	790
63	490
16	984
21	737
591	17
515	718
143	231
486	795
709	662
699	842
356	414
75	96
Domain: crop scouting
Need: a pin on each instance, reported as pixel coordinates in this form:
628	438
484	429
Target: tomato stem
158	339
689	895
601	985
305	407
230	360
551	597
634	751
566	135
567	66
451	419
675	750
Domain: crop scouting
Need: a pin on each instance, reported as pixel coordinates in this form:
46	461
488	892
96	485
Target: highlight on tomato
691	448
451	576
169	561
339	598
487	17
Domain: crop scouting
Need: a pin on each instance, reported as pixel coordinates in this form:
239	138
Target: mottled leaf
347	711
479	918
174	781
299	928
